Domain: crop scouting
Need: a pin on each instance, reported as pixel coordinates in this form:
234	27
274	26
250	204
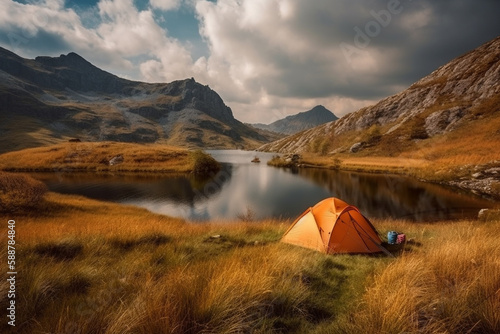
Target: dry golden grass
95	267
476	143
450	286
98	267
19	192
366	163
95	156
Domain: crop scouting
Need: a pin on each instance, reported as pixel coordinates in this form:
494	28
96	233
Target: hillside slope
448	122
301	121
48	100
460	99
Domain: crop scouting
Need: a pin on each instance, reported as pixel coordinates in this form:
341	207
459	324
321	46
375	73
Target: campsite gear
332	226
392	237
401	238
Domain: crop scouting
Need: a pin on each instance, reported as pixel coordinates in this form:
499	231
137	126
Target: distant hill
300	122
453	114
51	99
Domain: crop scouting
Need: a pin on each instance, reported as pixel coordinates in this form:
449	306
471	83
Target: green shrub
20	192
204	164
278	161
417	130
373	134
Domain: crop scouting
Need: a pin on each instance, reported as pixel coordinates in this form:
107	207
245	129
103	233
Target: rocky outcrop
443	121
355	148
483	180
116	160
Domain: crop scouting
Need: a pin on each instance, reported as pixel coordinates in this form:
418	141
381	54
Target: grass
452	286
96	267
277	161
365	164
19	192
98	157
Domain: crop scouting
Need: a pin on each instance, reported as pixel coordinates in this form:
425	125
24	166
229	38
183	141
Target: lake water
242	186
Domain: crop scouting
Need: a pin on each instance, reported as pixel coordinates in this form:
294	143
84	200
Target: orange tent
332	226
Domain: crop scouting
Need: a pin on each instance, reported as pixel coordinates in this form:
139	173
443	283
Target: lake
267	192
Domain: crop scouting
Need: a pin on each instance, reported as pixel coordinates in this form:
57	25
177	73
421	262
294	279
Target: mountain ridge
56	98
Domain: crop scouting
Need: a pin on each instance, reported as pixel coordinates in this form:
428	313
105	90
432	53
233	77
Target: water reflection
395	196
185	189
271	192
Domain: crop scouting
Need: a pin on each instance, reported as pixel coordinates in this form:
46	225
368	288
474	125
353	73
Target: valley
129	227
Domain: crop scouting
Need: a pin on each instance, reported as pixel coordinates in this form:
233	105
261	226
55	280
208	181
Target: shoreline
482	185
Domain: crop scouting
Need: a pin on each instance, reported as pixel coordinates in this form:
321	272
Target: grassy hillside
92	267
107	157
466	157
472	141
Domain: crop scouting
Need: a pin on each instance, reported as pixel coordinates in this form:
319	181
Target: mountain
300	122
453	113
51	99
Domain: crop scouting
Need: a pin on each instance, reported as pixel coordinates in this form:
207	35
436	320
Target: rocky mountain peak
195	95
319	114
301	121
71	60
203	98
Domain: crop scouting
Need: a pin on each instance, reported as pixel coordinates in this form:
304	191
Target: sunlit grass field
86	266
96	157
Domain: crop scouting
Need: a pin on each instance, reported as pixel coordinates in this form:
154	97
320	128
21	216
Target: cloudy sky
266	58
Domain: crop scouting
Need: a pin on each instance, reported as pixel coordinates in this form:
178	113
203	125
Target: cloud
343	52
293	49
266	58
165	4
284	56
121	32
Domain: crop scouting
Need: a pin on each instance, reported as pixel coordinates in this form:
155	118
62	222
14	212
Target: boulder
116	160
483	213
356	147
442	121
